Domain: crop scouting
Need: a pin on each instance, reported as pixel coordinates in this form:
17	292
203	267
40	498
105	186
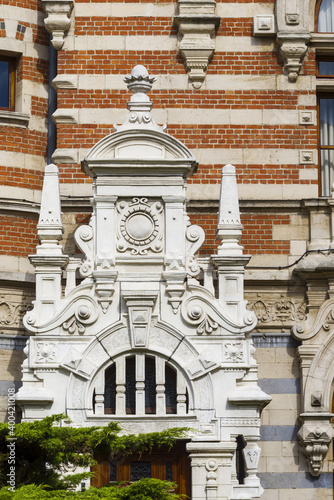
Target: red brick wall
18	236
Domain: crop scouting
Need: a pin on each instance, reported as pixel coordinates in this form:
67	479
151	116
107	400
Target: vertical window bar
160	380
99	394
326	135
140	384
120	386
181	395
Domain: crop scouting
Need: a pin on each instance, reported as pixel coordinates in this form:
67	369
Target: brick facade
246	113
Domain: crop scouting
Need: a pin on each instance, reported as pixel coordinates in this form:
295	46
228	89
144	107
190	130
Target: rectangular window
7	82
326	143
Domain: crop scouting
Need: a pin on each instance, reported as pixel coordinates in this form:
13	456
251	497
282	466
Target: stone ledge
14	118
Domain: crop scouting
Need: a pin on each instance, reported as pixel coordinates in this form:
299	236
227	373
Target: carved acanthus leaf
281	311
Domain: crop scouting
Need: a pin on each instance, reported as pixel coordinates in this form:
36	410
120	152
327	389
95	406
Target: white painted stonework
141	296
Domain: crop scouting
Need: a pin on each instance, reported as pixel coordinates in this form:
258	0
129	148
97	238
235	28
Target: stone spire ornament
229	226
139	106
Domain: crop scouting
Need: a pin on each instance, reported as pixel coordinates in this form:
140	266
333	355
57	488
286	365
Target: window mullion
160	381
99	394
181	407
120	386
140	384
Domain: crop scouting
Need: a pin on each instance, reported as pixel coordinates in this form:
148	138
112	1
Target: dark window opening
110	390
240	461
150	385
170	390
7	82
130	386
138	470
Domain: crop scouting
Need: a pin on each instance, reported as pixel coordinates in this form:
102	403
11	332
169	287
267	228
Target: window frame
322	95
12	80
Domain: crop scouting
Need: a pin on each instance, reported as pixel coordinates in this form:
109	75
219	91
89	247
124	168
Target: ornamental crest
139	228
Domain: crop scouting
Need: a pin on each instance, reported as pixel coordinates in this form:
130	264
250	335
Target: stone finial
229	227
49	225
139	106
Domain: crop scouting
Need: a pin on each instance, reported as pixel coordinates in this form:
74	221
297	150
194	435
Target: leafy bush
45	449
144	489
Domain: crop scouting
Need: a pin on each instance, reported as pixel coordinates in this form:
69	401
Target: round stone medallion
139	226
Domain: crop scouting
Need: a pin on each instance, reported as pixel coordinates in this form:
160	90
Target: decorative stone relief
11	314
58	19
292	51
197	24
45	352
315	437
233	352
140	226
195	237
293	34
278	311
264	25
140	305
306	157
84	239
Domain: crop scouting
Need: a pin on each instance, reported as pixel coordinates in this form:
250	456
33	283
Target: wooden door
162	464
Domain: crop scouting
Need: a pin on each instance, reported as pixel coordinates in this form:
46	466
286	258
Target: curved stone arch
114	341
321	376
312	8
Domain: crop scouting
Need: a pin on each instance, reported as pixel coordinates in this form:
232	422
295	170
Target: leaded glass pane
113	471
130	388
140	470
170	390
110	390
169	471
150	385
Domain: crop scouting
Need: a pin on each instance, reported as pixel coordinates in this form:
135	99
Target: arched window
140	385
326	17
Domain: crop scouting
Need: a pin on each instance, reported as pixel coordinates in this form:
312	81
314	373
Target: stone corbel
58	19
315	436
293	48
197	24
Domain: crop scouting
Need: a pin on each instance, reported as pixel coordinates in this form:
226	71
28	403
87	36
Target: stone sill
13	118
325	84
323	42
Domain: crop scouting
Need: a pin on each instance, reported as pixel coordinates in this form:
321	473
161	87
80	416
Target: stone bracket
197	23
315	437
58	19
293	48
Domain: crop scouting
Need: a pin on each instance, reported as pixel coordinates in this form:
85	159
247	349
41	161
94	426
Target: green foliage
46	448
144	489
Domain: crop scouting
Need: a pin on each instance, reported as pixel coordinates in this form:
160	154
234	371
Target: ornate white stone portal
141	341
